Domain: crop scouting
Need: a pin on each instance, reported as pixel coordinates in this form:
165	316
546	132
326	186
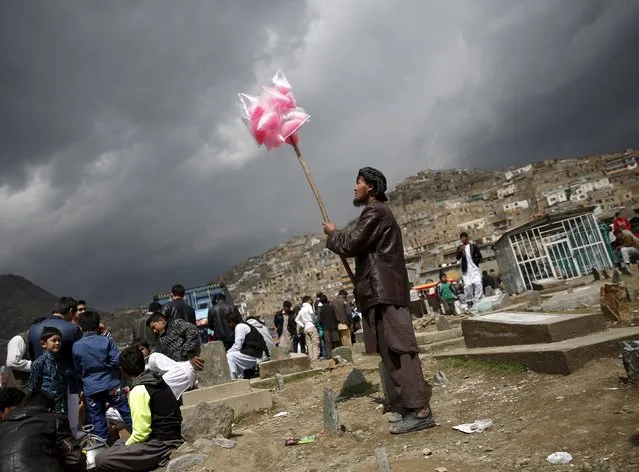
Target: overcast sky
126	168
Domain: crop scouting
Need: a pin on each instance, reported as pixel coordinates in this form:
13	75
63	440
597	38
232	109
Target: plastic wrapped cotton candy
273	118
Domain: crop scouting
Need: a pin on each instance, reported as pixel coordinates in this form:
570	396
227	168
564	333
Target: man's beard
359	202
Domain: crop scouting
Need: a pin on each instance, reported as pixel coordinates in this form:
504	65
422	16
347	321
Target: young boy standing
157	422
96	359
47	371
446	294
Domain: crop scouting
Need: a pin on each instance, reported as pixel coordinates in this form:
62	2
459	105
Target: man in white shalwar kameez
249	348
179	376
470	257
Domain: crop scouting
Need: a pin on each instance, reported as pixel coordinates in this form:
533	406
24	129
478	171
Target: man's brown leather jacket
376	244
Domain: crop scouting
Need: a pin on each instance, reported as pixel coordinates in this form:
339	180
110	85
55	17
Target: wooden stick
320	203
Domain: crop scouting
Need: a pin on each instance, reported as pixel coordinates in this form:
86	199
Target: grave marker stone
332	423
279	353
442	323
596	274
630	356
216	368
616	276
382	459
613	300
344	352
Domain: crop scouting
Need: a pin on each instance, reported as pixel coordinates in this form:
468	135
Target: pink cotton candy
257	112
289	127
291	100
258	134
273	117
280	82
269	121
273	140
274	100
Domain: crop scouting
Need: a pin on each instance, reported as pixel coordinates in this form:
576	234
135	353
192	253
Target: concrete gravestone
614	302
280	353
291	365
442	323
596	274
279	382
332	423
216	368
616	276
630	356
344	352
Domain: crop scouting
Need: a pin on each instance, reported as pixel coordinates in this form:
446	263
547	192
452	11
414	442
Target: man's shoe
394	417
412	422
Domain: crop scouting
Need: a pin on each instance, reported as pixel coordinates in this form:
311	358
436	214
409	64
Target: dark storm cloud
562	85
126	168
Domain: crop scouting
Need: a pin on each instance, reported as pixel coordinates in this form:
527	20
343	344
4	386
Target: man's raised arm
350	244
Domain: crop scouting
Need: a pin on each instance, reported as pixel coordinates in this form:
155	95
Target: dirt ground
591	414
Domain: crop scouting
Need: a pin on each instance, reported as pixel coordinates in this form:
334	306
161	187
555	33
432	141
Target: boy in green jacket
156	417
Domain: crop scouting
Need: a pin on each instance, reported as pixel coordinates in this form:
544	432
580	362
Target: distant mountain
21	301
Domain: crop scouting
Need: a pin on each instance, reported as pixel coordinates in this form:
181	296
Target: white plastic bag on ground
559	458
478	426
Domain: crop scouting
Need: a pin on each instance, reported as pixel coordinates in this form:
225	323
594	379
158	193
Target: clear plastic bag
273	118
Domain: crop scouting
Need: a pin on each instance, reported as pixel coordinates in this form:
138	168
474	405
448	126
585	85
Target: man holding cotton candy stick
383	297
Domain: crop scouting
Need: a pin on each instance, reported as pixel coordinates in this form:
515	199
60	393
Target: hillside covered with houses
432	207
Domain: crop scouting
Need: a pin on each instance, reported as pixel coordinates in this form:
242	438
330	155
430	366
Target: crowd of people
317	326
66	372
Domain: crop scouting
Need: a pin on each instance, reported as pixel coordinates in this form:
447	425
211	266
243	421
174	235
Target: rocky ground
591	414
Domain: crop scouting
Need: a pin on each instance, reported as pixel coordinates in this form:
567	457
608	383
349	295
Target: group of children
95	361
138	388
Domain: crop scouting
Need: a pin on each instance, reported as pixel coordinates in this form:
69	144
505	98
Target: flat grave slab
237	394
296	363
562	357
514	328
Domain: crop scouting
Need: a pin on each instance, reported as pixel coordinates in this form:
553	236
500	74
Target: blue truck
200	299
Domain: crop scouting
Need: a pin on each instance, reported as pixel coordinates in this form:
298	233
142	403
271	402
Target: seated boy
179	376
96	359
157	422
